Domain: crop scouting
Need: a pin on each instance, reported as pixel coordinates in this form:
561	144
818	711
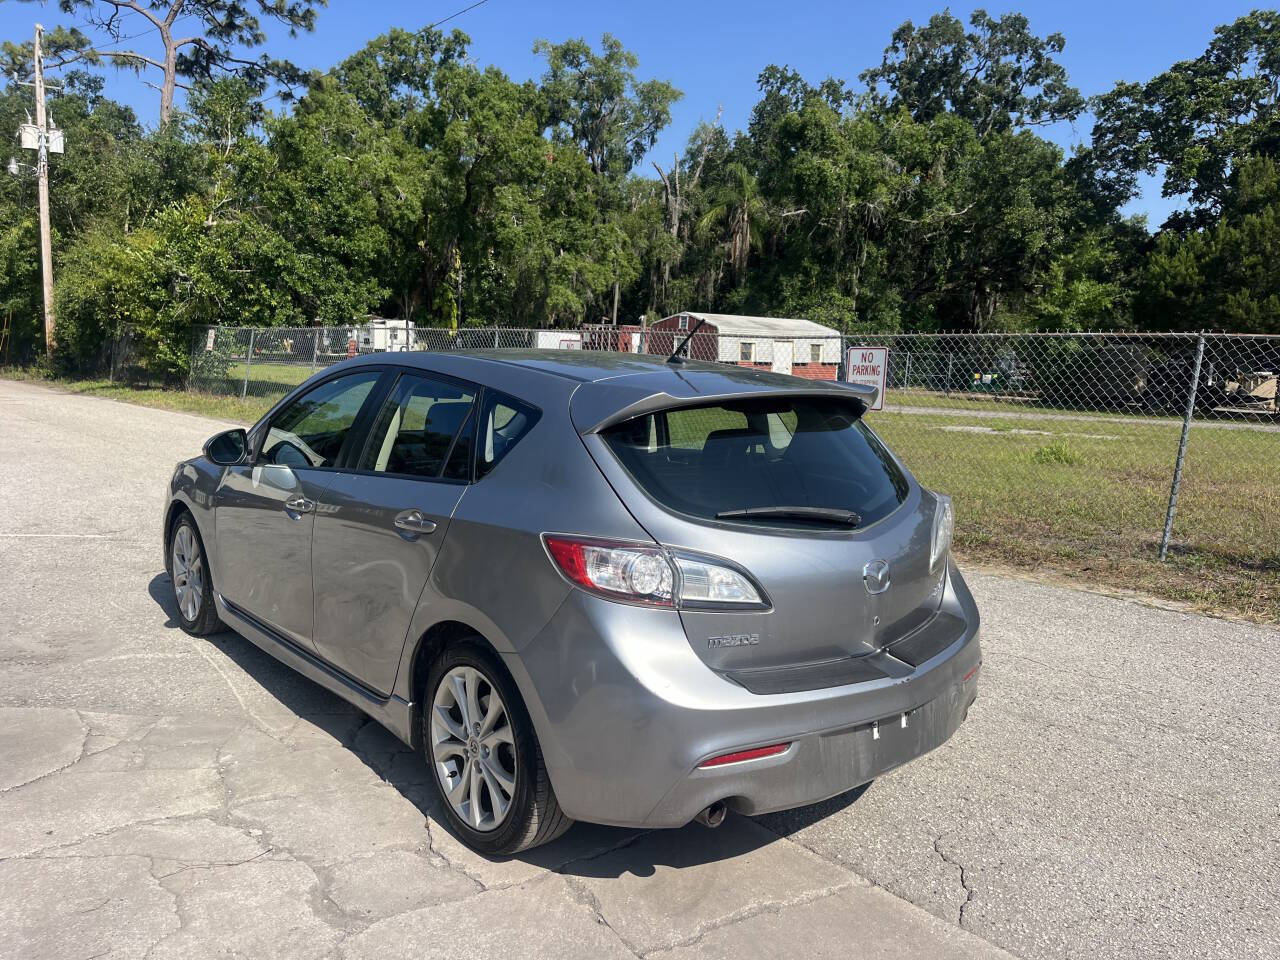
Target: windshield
786	461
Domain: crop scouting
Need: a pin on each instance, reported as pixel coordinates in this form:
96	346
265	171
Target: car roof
610	386
584	366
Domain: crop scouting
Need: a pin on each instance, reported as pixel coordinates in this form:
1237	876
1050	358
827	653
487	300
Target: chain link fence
1070	450
270	361
1089	451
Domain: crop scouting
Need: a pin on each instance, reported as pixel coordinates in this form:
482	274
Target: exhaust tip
713	815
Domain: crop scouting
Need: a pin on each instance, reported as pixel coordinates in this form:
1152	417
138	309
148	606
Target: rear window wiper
814	514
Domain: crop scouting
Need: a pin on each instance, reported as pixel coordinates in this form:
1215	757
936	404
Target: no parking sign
868	366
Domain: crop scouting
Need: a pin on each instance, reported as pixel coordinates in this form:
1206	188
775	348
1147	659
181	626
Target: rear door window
416	427
756	454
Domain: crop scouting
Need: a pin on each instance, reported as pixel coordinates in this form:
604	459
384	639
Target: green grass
284	374
1059	451
232	409
1088	500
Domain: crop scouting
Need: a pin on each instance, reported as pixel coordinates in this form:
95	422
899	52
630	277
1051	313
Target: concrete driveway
1115	793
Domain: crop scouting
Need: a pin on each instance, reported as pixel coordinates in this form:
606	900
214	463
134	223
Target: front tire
192	582
479	741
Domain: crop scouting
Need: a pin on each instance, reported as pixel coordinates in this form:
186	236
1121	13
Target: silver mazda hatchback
589	586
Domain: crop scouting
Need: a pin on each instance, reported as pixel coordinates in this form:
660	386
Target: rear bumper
820	765
625	713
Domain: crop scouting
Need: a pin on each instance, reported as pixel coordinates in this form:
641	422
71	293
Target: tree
1197	120
1016	219
113	179
595	101
1223	276
832	193
193	40
680	186
393	77
997	76
735	209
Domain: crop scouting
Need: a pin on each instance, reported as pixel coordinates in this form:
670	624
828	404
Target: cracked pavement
1116	791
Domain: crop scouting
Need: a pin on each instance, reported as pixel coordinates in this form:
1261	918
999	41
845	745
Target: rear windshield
753	455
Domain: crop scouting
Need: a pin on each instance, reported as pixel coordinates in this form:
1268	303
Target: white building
801	348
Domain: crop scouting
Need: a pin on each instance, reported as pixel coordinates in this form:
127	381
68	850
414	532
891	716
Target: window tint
761	453
310	431
504	421
415	428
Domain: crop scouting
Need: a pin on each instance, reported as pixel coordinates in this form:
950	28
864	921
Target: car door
265	510
381	524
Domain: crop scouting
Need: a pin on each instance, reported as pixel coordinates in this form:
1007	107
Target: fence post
195	354
950	360
1182	449
248	362
315	347
906	374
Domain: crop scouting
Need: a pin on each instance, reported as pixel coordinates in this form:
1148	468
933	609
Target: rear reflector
965	678
755	753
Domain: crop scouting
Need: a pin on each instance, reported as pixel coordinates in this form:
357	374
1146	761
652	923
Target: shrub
106	282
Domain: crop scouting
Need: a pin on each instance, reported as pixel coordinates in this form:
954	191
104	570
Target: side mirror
228	448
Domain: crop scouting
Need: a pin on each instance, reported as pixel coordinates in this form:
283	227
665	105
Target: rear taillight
622	571
652	575
703	583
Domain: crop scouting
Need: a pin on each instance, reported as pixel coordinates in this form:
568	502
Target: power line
478	3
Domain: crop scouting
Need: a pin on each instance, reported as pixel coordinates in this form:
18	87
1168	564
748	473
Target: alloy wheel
188	572
473	748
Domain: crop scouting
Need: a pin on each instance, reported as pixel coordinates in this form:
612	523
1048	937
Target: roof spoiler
864	395
868	395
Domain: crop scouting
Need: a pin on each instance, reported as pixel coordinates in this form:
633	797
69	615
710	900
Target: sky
713	50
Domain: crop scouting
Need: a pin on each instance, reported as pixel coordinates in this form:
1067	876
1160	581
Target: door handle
295	507
414	522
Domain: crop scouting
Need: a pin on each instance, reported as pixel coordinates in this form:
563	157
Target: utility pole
44	138
42	188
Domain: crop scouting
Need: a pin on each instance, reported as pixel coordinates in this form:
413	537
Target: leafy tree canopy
1196	120
195	40
996	75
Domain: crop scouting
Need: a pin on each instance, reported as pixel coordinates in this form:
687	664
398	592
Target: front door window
311	431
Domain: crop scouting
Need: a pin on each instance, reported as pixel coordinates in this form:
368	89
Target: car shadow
160	590
586	850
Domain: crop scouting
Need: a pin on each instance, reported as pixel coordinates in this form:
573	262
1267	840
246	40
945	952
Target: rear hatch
795	490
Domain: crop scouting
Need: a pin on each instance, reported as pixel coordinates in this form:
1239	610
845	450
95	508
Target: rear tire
192	582
479	742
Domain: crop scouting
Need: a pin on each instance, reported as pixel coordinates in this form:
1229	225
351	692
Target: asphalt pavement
1115	792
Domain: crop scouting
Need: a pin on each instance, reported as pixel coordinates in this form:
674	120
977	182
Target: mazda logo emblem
875	576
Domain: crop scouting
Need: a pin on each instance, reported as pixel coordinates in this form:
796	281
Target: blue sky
713	50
